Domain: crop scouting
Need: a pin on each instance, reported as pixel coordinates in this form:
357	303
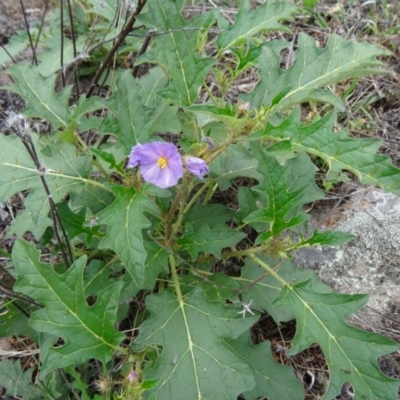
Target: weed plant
160	145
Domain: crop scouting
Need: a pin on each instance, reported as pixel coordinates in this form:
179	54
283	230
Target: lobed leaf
249	22
39	93
262	288
287	188
175	50
273	380
327	238
195	360
66	313
339	151
136	116
125	220
64	173
213	215
209	240
312	69
321	314
351	354
18	382
235	161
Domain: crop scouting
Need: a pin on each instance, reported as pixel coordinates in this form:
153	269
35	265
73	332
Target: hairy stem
175	279
269	269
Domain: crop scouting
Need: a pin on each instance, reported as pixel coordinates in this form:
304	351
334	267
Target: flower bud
196	166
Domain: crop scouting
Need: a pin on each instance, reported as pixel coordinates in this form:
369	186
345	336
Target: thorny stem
189	205
95	161
211	189
212	97
269	269
246	252
174	206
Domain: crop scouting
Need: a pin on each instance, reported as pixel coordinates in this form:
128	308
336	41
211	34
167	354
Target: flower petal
162	174
133	160
196	166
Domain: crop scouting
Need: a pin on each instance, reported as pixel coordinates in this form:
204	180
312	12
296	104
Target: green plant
120	239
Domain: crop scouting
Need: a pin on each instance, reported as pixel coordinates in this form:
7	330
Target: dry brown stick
116	46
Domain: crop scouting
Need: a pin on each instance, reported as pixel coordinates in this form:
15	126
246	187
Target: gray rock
370	263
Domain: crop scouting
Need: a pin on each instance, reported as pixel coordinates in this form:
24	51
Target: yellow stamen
162	162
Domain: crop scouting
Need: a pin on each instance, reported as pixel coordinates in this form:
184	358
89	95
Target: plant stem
174	206
85	149
127	28
210	192
269	269
189	205
175	279
212	97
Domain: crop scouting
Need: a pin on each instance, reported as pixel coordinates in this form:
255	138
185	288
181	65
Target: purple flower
196	166
159	163
246	106
133	376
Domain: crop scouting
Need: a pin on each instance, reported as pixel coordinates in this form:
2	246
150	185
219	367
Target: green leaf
18	382
15	45
39	93
66	313
250	22
312	69
288	188
175	51
150	84
74	223
156	263
125	220
50	58
250	201
96	276
14	322
273	380
226	114
194	358
136	120
62	176
209	240
339	151
327	238
84	106
263	288
105	8
216	287
210	214
351	354
94	198
235	161
24	223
